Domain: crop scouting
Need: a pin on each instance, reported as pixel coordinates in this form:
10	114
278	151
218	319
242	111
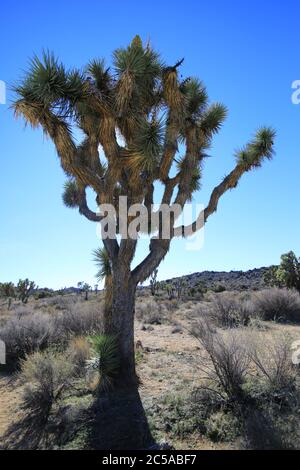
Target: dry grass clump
273	362
78	353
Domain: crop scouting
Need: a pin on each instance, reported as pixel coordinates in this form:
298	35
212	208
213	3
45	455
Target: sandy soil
9	401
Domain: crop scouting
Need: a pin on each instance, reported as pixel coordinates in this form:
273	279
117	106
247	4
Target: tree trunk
119	321
119	420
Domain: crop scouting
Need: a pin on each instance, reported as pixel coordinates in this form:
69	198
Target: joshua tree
80	286
140	121
153	281
24	289
7	289
179	286
86	288
287	274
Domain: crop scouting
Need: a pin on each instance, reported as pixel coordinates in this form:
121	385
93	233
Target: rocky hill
233	280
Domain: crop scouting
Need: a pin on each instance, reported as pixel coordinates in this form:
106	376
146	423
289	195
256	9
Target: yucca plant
141	114
104	273
105	360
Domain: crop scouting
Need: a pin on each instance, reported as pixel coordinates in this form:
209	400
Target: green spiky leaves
259	148
137	60
195	175
212	119
48	83
195	183
97	70
102	261
70	194
196	97
137	69
106	359
145	153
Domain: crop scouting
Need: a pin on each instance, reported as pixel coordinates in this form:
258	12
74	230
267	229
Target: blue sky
246	53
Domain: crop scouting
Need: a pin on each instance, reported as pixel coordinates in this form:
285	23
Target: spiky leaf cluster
259	148
70	194
102	261
106	359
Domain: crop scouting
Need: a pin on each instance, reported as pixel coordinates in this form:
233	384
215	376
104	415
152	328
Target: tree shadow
119	422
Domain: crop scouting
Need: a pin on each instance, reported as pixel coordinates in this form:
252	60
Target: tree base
119	422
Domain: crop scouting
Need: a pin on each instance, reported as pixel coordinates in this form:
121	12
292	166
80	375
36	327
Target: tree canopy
141	123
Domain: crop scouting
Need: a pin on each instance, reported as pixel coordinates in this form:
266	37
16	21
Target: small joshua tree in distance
153	282
86	288
24	289
79	286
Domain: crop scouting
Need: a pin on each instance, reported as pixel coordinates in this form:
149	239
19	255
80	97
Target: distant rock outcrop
233	280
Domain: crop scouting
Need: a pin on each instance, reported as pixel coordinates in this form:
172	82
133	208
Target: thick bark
119	420
119	321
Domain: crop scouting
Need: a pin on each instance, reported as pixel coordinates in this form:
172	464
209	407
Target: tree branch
158	250
229	182
85	210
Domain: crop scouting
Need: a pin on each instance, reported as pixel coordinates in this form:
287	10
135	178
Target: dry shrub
26	334
226	362
255	382
150	311
45	377
276	304
81	319
36	331
230	310
273	362
60	302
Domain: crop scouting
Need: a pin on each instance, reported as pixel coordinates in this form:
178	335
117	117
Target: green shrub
222	426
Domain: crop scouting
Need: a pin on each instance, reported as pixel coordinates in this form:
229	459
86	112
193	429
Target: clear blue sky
246	52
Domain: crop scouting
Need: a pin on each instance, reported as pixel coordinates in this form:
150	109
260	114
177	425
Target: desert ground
173	368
